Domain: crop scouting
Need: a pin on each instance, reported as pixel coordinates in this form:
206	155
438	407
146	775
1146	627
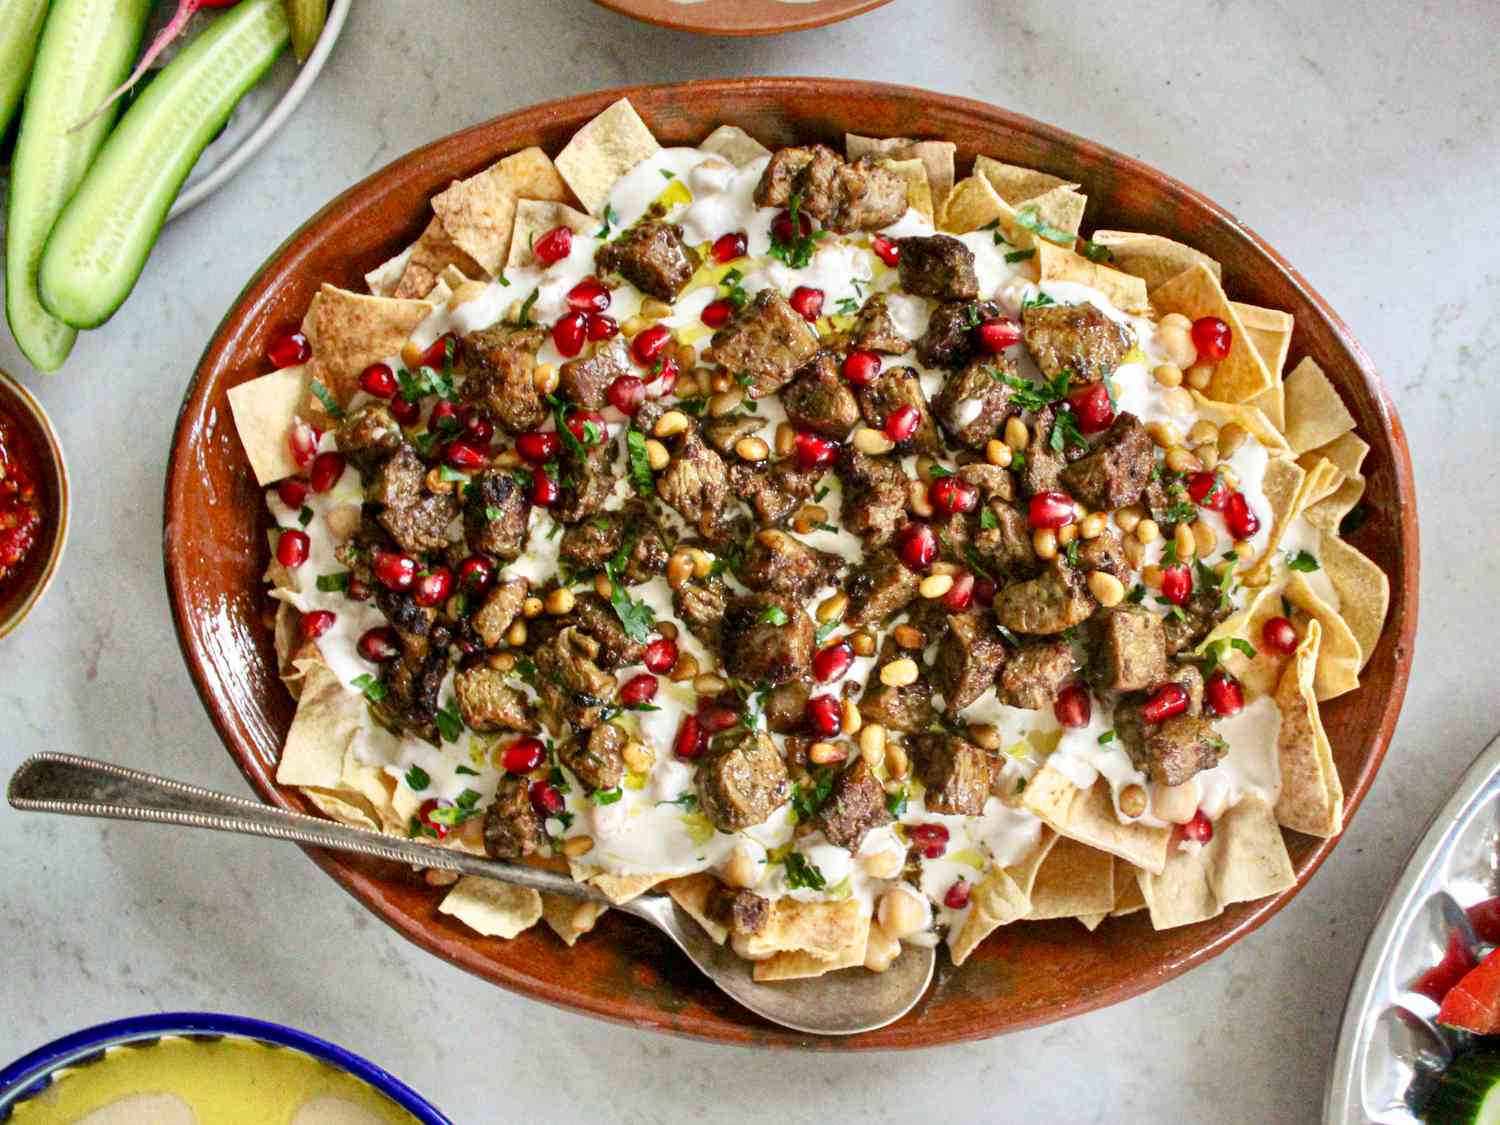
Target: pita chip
429	256
348	332
1015	184
491	907
918	190
1242	374
1312	797
604	150
1363	588
1271	332
1151	257
734	145
1003	896
1124	291
692	893
972	205
263	409
479	213
937	158
798	965
1315	414
1339	655
1075	880
534	218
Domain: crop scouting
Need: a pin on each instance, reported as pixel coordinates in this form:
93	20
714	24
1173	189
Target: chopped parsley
1070	552
492	513
987	519
734	292
334	583
610	218
523	318
895	803
667	173
1213	654
847	306
1065	431
636	617
372	688
826	631
417	779
800	872
1031	219
333	408
1302	561
1036	301
808	797
450	723
466	771
1034	397
452	476
798	251
1106	738
606	796
774	615
304	517
466	807
425	381
688	802
1015	256
1093	251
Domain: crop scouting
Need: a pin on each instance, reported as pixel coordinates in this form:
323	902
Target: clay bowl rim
820	17
14	393
246	317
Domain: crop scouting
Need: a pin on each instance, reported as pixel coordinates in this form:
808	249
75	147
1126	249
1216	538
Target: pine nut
872	743
924	467
532	607
986	736
1132	800
1107	589
825	753
786	439
832	607
560	601
411	353
1147	531
653	308
850	720
935	585
1066	534
679	567
899	673
1208	456
808	517
896	763
501	661
1016	434
1168	375
1152	576
908	636
506	459
751	449
435	877
862	643
702	564
435	482
1092	525
725	402
1180	460
575	846
1231	437
719	382
1200	375
872	441
685	669
686	355
1128	518
603	586
515	636
544	379
1185	542
1164	434
709	684
656	455
916	499
667	630
638	757
1044	543
670	423
996	452
1202	431
1135	551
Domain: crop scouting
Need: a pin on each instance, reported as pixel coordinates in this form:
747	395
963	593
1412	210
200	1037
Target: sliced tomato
1485	918
1474	1002
1457	961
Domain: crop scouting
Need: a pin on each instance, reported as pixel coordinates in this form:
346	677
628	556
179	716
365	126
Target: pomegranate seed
714	717
1200	829
638	690
358	590
433	588
317	622
394	570
406	413
436	354
1165	702
424	816
930	839
444	418
781	226
1224	694
960	595
823	715
379	380
476	574
292	548
661	656
1092	406
728	247
1207	491
538	446
523	755
601	327
997	334
626	394
379	645
664	372
587	426
812	451
288	349
553	246
544	490
589	295
1050	509
1177	583
830	663
902	422
302	441
689	740
1241	521
917	545
326	470
985	591
569	333
649	343
463	456
807	301
292	492
1211	336
949	495
477	427
716	314
1073	706
861	367
545	798
886	250
958	895
1280	634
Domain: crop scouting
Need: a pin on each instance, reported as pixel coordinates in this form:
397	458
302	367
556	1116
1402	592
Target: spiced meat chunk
585	379
398	481
992	482
950	340
764	345
744	913
845	197
907	707
881	586
487	703
652	256
498	366
1055	600
723	433
700	603
742	780
938	266
1170	752
891	390
969	655
1130	650
875	329
955	772
368	435
1104	552
1115	471
512	827
586	479
774	492
766	639
1078	339
819	399
414	679
502	605
597	540
496	511
1205	608
1049	453
695	482
595	756
776	562
422	526
1034	673
570	683
855	804
598	619
975	402
1003	542
875	491
785	707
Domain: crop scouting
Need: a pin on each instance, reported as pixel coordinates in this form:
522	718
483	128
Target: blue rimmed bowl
29	1076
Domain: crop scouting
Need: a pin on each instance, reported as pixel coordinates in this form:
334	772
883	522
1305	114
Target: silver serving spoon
842	1003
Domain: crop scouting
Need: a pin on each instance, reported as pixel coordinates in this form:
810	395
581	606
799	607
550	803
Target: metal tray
1388	1044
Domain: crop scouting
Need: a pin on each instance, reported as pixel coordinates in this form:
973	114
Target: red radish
902	422
291	492
1211	336
476	574
1438	981
811	451
649	343
1092	406
861	367
538	446
917	545
930	839
822	715
379	645
589	295
553	246
689	742
292	548
997	334
1241	521
1224	694
830	663
638	690
523	755
545	798
949	495
569	333
186	9
432	589
1073	706
317	622
1050	510
379	380
716	314
807	301
1280	634
326	470
728	247
886	250
958	895
960	594
288	349
1200	829
661	656
1177	583
601	327
1165	702
544	490
626	394
1207	491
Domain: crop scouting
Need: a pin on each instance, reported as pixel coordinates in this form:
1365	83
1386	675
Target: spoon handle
74	786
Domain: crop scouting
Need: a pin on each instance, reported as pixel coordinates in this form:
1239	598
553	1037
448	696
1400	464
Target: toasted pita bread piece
936	158
1003	896
692	893
1015	184
383	279
491	907
1054	263
1339	655
1312	797
1248	416
479	213
534	218
434	251
1315	414
604	150
1088	816
263	410
734	145
1363	588
1241	375
1271	332
1075	880
822	930
918	189
798	965
348	332
1151	257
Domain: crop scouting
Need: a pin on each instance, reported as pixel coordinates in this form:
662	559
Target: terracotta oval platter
741	17
1023	975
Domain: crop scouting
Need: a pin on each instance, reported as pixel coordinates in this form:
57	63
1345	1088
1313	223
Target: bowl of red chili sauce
33	503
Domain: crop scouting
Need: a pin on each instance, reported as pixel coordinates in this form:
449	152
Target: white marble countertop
1363	145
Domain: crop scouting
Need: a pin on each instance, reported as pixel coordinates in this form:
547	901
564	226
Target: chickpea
1176	343
1128	518
996	452
679	568
1185	542
1179	401
751	449
1231	437
506	459
686	355
1163	434
719	382
1204	538
1066	534
881	951
1168	375
688	386
901	672
1147	531
832	607
908	636
740	870
560	601
883	865
1044	543
411	353
1180	460
916	499
1176	804
638	757
575	846
670	423
897	764
1152	576
1017	436
936	585
986	736
1133	801
634	326
652	308
872	743
808	518
872	441
1107	589
1178	320
862	643
656	455
501	661
1203	431
515	636
532	607
901	913
603	586
1092	525
702	564
826	753
1208	456
544	379
1135	551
